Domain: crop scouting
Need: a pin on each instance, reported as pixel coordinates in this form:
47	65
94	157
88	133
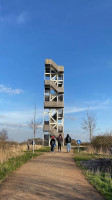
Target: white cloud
9	90
92	105
70	117
73	109
21	18
76	134
19	118
2	116
15	123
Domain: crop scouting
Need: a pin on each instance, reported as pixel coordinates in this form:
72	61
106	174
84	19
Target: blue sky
76	34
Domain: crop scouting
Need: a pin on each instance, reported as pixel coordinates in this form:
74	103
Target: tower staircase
54	98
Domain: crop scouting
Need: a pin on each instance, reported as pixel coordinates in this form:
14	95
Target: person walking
68	142
60	139
52	143
28	146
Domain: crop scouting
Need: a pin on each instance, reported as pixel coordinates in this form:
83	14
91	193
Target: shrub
103	142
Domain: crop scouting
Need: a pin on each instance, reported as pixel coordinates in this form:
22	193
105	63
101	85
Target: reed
12	149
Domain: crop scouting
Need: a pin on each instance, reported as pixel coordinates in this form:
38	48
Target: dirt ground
49	176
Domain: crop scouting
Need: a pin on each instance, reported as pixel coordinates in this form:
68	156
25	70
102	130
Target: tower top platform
54	65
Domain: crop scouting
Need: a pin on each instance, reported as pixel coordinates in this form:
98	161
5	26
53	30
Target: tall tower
53	99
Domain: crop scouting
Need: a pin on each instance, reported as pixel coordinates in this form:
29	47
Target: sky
76	34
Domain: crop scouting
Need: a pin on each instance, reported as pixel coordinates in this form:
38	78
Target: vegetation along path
49	176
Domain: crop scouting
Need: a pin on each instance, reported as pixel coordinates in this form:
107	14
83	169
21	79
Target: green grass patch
102	181
45	149
14	163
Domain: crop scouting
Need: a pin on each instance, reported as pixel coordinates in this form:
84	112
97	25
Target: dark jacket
52	142
60	139
68	139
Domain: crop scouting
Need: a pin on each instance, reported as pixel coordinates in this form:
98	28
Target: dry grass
93	150
10	150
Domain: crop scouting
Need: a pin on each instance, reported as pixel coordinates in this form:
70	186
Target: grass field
102	181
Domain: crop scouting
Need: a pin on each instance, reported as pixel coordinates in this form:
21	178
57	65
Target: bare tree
34	124
3	135
3	139
89	123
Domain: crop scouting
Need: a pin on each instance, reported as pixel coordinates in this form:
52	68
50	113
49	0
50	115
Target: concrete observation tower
53	100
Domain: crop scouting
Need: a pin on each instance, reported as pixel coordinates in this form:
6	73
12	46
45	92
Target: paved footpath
52	176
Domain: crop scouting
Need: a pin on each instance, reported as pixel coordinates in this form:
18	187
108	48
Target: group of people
60	140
